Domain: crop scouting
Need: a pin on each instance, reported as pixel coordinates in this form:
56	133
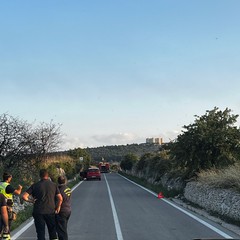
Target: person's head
43	174
61	180
7	177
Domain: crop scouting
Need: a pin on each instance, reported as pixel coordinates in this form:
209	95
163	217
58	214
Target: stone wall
223	202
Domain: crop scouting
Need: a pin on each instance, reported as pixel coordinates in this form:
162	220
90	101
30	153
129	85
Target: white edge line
28	225
182	210
114	212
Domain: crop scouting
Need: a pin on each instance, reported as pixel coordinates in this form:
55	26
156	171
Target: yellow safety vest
3	186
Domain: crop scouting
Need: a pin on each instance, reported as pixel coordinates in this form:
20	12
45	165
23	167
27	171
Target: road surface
116	209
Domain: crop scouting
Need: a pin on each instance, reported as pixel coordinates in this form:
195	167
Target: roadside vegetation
227	178
116	153
207	150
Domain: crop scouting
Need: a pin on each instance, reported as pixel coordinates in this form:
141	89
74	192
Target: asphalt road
116	209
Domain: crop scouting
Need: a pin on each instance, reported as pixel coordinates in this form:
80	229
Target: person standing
8	191
63	216
44	194
4	218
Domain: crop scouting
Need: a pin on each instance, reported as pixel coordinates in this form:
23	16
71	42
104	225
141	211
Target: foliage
128	161
53	172
114	167
78	153
154	165
23	144
143	162
55	161
117	152
211	141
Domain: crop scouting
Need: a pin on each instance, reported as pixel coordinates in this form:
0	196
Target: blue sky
116	72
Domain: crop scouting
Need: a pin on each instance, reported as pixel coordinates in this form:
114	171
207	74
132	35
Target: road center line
28	225
114	212
223	234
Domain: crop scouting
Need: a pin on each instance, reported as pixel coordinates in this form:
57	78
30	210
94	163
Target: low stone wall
223	202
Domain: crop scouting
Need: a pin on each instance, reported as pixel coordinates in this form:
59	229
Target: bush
69	168
128	162
211	141
224	178
53	172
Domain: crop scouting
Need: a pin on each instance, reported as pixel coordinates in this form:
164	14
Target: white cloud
71	142
117	138
113	139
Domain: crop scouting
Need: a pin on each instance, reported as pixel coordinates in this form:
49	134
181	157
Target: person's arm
4	217
18	190
59	203
26	198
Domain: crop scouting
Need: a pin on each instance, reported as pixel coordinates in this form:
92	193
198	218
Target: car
93	173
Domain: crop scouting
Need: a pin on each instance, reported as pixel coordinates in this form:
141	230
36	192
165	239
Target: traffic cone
160	195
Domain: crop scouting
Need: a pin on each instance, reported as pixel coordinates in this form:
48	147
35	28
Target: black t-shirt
2	201
10	189
45	193
66	195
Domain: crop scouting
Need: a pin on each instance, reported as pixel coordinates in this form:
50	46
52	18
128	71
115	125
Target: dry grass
225	178
57	159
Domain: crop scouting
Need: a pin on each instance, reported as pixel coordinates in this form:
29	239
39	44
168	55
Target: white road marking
28	225
114	212
223	234
22	230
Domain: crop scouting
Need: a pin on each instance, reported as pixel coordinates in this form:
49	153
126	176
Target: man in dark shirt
44	194
4	217
63	216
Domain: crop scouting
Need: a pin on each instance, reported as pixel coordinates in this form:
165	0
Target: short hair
61	180
6	176
43	173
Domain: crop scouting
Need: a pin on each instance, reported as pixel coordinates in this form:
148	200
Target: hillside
117	152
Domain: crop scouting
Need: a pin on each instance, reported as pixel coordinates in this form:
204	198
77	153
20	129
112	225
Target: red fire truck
104	167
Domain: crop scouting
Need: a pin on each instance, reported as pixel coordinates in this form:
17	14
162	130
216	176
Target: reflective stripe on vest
3	186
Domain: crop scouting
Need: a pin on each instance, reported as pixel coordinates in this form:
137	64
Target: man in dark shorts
63	216
4	218
44	195
8	191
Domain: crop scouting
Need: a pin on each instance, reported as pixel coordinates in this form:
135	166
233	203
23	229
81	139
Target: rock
224	202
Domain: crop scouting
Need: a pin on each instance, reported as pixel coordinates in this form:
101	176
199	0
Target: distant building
157	140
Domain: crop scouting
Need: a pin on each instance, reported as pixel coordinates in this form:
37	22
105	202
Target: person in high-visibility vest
64	214
4	218
7	190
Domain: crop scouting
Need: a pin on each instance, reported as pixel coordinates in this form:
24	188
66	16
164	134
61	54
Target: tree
78	153
47	137
212	140
128	161
24	145
143	162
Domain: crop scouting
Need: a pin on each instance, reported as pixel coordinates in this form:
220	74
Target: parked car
93	173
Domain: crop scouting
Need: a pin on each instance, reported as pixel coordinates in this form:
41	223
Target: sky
117	72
